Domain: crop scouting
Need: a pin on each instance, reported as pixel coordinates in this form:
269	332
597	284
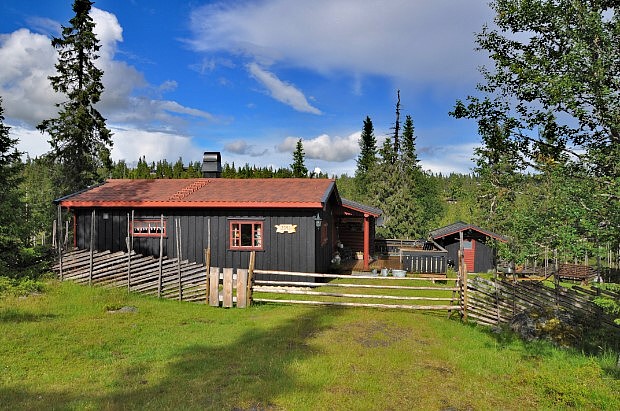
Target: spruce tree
408	154
397	125
10	205
367	159
79	137
298	166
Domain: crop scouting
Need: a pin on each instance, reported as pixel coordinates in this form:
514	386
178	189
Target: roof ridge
188	190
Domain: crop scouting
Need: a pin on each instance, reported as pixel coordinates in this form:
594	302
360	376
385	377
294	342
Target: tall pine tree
408	154
299	166
367	159
10	205
80	139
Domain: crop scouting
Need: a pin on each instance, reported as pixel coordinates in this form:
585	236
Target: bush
21	262
20	286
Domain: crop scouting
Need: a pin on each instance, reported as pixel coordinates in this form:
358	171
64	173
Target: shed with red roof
477	243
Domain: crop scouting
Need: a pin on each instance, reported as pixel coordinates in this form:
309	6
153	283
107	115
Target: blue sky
250	78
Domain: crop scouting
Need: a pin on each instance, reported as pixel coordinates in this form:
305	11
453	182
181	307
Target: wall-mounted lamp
317	220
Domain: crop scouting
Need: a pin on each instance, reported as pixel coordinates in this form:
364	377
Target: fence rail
384	285
483	301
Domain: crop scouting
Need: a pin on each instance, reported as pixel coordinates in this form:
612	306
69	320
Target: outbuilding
291	224
476	242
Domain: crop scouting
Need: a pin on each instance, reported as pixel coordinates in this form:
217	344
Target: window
246	235
148	228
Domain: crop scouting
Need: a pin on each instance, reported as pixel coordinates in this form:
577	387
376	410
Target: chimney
211	164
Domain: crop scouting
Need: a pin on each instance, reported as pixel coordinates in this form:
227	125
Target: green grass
64	350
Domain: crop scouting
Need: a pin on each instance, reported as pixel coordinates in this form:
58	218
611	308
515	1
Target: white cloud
108	31
448	158
131	144
324	147
418	42
28	60
281	91
31	141
243	148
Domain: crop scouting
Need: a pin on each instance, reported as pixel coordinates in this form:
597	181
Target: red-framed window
246	235
148	228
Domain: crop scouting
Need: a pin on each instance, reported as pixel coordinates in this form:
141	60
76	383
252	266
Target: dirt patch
377	334
440	369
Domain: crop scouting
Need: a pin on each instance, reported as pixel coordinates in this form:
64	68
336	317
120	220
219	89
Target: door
469	253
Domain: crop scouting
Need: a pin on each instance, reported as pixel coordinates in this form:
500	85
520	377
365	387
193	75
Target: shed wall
484	258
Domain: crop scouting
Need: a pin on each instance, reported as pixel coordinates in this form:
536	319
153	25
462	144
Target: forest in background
546	173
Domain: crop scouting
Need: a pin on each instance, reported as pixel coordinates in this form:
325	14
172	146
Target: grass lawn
63	349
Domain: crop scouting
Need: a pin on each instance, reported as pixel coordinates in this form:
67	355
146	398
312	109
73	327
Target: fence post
208	258
161	256
128	243
214	286
242	287
463	277
58	236
177	228
228	288
250	278
92	236
207	273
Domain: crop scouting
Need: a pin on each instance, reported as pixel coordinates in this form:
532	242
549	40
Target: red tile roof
206	192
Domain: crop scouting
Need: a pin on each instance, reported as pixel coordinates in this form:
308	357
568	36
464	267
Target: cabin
476	242
292	224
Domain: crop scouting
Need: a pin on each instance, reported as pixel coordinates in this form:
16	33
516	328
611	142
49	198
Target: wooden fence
497	302
184	281
166	278
482	301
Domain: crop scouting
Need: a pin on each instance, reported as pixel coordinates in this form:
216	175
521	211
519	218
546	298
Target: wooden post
214	287
207	273
463	278
208	257
460	254
161	256
228	288
66	242
242	287
92	236
58	236
366	256
177	227
128	243
251	277
54	234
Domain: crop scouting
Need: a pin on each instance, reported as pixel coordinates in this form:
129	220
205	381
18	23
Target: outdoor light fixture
317	220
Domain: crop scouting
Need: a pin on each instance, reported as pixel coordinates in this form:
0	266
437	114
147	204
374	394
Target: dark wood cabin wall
109	233
324	252
282	251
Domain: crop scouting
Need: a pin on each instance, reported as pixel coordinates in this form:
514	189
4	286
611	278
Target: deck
357	266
